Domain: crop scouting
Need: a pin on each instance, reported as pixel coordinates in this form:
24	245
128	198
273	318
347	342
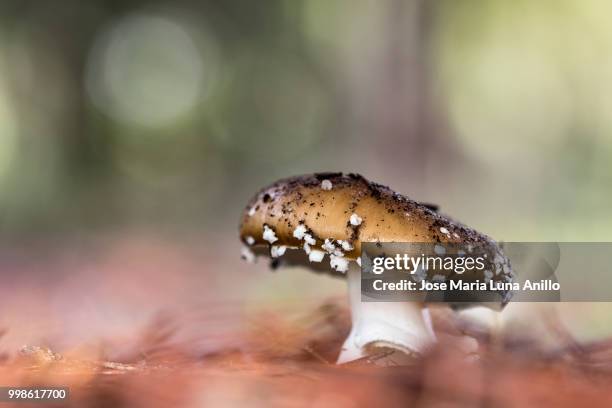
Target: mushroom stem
400	326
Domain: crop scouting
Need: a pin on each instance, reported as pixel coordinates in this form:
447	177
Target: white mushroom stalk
382	326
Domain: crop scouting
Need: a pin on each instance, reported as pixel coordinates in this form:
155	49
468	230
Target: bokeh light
147	70
518	85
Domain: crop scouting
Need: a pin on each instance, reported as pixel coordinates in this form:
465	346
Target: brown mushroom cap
386	216
323	203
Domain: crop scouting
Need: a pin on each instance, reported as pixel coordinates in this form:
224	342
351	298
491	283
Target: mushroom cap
386	216
346	210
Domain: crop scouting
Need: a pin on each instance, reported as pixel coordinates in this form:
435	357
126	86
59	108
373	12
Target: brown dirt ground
288	362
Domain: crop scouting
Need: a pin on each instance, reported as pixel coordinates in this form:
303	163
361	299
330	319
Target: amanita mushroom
323	219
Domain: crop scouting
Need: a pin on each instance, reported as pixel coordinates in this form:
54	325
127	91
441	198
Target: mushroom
322	219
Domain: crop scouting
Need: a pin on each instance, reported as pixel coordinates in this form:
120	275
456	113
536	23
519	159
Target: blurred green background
171	114
124	116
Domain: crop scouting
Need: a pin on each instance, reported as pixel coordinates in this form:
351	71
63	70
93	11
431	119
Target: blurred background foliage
145	126
171	114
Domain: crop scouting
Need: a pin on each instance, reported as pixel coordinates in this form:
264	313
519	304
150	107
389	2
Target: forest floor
289	362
